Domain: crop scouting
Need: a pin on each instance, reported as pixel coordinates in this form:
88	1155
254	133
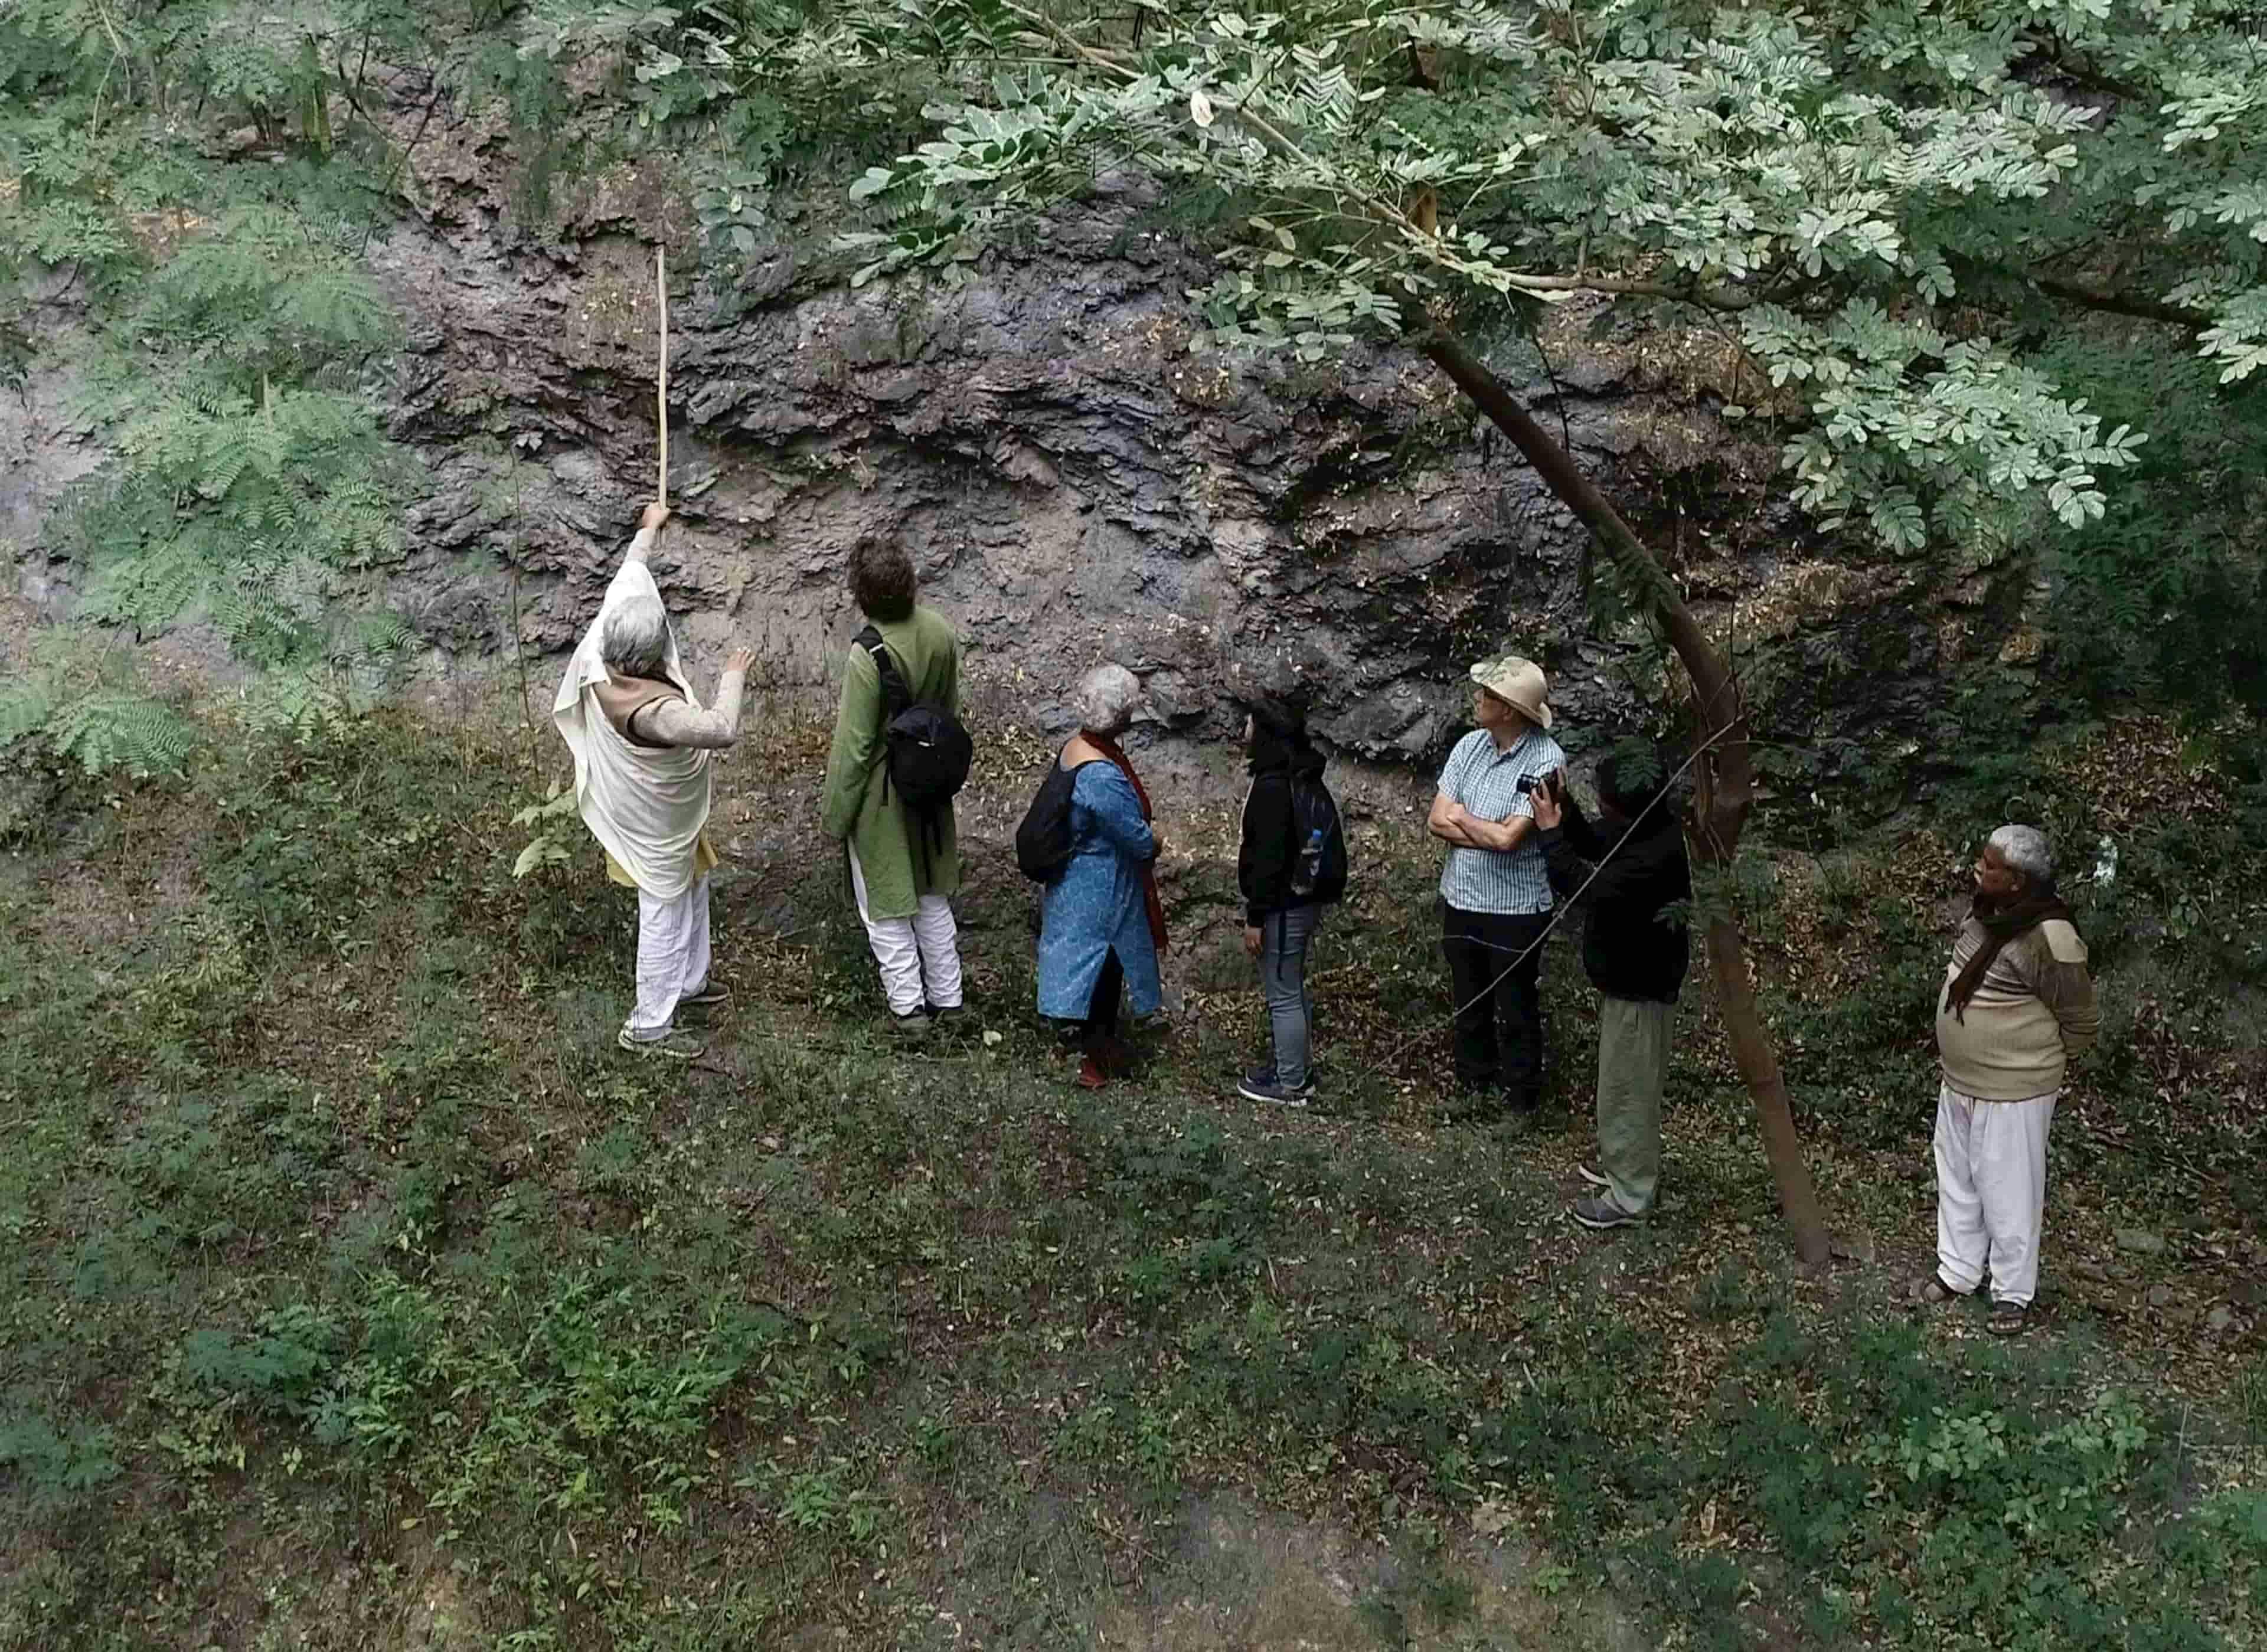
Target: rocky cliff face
1074	484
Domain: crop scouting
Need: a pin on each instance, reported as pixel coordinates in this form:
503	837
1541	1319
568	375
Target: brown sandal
2008	1319
1933	1291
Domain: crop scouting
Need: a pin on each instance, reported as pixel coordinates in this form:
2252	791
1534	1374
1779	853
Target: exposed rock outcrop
1075	483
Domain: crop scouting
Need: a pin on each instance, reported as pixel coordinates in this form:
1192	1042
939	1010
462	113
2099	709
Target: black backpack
928	750
1318	853
1043	840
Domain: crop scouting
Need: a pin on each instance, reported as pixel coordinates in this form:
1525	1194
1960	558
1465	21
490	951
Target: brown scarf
1108	749
2001	925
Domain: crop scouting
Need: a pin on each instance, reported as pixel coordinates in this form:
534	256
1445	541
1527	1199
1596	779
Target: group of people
2017	1001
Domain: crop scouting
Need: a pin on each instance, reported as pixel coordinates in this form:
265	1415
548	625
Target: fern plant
251	472
82	700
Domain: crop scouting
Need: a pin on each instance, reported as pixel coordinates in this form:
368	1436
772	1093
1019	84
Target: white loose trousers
911	951
1991	1191
672	956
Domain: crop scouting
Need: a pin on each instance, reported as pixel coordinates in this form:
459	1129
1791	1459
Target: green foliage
251	473
58	1464
558	831
2165	597
82	703
236	333
279	1367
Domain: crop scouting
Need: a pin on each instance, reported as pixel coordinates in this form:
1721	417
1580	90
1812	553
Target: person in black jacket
1636	951
1291	864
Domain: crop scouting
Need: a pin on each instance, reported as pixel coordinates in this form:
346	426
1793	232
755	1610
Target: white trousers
920	955
673	957
1991	1191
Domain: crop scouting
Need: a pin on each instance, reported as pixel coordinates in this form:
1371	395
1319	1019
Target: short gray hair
1106	698
2026	850
635	641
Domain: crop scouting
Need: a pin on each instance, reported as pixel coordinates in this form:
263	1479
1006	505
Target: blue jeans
1283	938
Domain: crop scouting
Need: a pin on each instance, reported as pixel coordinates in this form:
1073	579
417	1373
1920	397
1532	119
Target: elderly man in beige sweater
2017	1005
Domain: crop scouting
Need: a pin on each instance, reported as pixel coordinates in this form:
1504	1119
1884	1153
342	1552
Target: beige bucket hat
1520	682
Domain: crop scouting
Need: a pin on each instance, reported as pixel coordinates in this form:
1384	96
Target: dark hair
1631	775
881	582
1279	733
1279	714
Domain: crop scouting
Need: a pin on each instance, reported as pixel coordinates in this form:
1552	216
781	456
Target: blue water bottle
1310	871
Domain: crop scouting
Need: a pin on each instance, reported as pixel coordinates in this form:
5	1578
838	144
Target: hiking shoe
911	1028
713	996
675	1045
1604	1213
1261	1085
2008	1319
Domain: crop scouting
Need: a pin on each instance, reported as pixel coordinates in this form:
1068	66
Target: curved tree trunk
1725	788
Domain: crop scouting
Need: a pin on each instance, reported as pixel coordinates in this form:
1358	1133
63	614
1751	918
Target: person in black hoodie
1636	952
1291	864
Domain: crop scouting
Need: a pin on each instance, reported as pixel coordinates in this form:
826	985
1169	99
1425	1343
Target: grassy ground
359	1294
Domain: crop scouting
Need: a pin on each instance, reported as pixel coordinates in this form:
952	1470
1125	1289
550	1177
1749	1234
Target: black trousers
1499	1002
1109	993
1099	1032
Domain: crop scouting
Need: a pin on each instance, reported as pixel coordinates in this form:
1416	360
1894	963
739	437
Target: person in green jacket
903	872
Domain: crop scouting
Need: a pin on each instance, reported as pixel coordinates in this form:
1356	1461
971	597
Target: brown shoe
1090	1075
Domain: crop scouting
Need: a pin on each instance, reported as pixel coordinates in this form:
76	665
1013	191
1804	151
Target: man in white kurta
642	783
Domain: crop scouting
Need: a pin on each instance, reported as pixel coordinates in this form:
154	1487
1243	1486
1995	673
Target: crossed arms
1452	822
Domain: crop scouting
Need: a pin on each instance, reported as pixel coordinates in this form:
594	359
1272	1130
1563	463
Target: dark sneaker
1603	1213
956	1025
714	996
674	1045
910	1029
1589	1174
1261	1085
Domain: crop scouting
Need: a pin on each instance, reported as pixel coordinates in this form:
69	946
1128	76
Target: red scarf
1108	749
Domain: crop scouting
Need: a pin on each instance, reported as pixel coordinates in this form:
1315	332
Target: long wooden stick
661	393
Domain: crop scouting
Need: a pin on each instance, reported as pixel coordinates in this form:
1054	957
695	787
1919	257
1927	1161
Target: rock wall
1075	485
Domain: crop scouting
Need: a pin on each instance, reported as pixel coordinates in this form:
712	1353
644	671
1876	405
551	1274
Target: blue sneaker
1261	1085
1604	1213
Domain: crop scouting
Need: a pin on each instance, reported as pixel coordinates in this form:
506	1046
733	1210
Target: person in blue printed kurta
1097	907
1095	935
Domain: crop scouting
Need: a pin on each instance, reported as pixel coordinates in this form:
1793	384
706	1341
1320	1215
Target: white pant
1991	1191
926	946
672	956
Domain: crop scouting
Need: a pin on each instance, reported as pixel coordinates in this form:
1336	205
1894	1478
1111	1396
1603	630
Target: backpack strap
896	696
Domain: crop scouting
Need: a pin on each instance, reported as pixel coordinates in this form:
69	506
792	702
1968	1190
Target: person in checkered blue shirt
1495	895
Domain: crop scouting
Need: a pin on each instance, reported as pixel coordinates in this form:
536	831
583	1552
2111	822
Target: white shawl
646	805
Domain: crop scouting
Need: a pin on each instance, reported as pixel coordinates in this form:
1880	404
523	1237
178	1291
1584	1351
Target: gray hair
635	641
1105	699
2026	850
